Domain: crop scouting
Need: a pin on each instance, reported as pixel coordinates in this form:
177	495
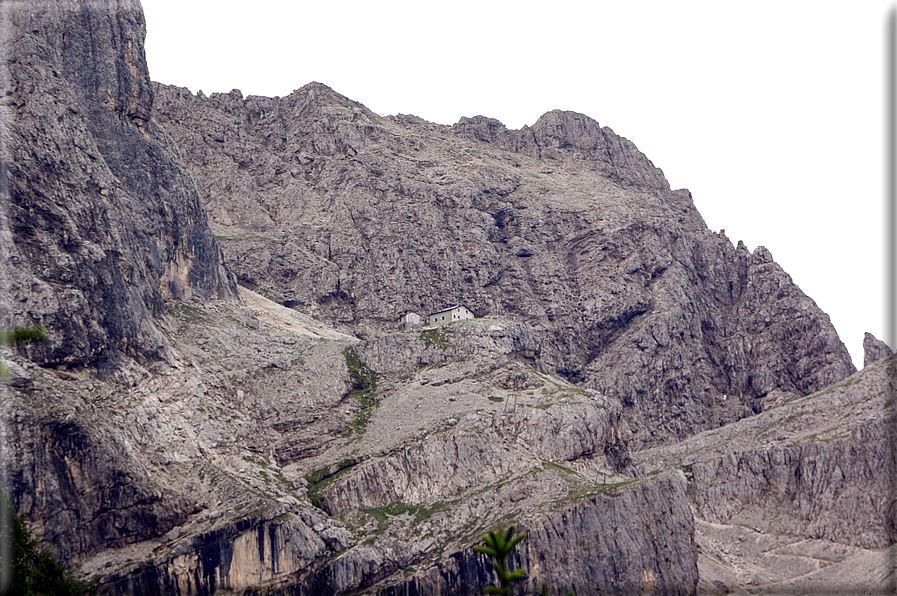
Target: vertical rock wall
78	486
638	542
102	221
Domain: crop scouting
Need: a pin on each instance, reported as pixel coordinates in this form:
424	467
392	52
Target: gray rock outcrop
100	224
551	552
821	467
874	349
103	220
79	485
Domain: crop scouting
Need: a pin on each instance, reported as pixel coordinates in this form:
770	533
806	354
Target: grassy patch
436	338
364	389
321	477
397	508
551	464
495	398
254	459
186	315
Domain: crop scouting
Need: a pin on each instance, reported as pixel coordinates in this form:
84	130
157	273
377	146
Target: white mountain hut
457	312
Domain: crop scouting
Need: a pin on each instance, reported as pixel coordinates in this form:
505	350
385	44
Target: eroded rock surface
874	349
103	219
328	207
775	492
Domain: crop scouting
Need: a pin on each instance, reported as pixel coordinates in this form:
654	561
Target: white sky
771	113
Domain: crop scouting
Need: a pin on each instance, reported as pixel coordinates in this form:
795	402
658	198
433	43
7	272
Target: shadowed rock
103	220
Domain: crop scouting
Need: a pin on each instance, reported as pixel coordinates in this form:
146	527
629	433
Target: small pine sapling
498	546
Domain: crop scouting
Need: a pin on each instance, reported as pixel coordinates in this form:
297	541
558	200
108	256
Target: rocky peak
103	59
568	130
320	94
564	136
874	349
481	128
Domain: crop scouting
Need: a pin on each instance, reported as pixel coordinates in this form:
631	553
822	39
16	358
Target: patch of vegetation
437	338
392	509
499	545
186	315
19	335
495	398
364	389
321	477
397	508
254	459
816	437
551	464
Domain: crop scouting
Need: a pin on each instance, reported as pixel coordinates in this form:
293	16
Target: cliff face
661	557
100	223
359	219
799	498
101	220
77	482
258	470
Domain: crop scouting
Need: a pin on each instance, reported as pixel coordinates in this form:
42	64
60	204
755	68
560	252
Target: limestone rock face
258	468
805	484
359	219
80	486
550	553
103	220
237	558
808	477
874	349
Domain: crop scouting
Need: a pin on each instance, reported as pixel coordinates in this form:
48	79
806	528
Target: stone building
410	322
447	315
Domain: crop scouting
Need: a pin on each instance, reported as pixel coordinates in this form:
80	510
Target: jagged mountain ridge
358	218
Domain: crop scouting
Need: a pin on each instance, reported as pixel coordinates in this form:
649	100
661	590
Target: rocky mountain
322	205
663	412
